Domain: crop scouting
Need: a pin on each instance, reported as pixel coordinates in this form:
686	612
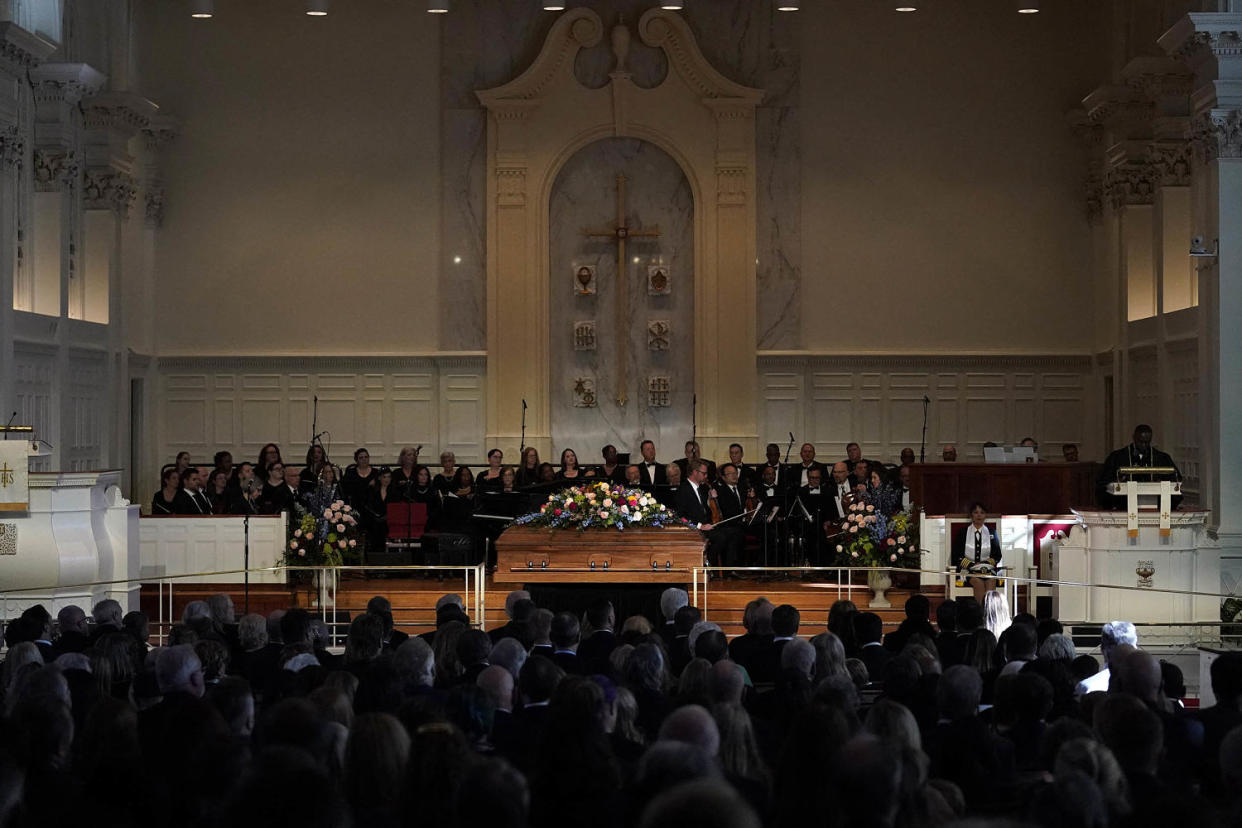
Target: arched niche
535	124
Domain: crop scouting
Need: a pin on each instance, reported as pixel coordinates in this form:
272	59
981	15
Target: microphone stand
246	561
923	442
694	418
522	448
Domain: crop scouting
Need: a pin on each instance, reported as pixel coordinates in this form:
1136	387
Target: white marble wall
584	195
488	42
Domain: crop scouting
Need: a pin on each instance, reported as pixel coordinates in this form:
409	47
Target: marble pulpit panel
584	195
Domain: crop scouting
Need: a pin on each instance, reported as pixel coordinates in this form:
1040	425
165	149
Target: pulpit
76	532
1129	574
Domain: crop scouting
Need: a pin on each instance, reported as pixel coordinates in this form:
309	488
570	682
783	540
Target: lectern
1146	495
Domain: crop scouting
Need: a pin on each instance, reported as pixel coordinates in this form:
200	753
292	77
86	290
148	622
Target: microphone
523	403
11	419
791	437
926	399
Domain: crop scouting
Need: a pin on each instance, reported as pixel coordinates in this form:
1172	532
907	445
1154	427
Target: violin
713	508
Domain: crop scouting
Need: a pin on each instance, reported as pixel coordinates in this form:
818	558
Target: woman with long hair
528	469
569	466
162	502
267	455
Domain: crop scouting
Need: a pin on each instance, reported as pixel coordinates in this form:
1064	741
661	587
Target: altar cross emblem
619	232
6	476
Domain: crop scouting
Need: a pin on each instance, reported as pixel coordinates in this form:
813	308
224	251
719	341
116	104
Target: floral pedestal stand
880	581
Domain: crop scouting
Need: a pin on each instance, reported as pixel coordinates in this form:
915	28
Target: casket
530	554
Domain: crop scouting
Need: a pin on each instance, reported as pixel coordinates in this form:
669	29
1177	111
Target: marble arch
535	124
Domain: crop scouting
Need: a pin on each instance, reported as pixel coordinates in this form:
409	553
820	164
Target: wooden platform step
414	600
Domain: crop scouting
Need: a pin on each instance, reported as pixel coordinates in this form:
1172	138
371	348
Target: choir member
268	455
443	480
528	470
489	478
163	503
569	466
357	479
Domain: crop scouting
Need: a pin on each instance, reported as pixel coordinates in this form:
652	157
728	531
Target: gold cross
620	232
6	476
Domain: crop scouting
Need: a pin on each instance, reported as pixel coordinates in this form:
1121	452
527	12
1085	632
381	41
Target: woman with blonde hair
996	616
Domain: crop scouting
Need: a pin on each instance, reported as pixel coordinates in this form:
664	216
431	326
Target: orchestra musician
729	538
692	453
773	453
799	478
746	477
651	472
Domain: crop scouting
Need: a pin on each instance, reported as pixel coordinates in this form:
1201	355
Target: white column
1211	46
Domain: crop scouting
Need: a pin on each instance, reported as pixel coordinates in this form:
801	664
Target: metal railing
325	582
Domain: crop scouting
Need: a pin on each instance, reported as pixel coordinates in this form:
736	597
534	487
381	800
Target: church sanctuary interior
605	412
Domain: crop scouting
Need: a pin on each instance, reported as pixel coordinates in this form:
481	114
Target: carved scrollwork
1131	184
1171	163
155	207
1217	134
106	189
54	169
12	146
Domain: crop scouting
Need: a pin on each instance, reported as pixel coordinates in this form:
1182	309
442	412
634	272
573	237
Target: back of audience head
565	632
509	654
785	621
1114	634
252	632
699	803
365	640
415	661
958	692
969	615
946	616
757	617
1092	758
1021	642
671	600
108	613
538	679
1135	672
685	618
798	657
294	626
178	670
1226	678
918	608
494	794
1131	730
869	628
1057	647
693	725
645	668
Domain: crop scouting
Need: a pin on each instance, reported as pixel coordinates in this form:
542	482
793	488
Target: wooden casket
530	555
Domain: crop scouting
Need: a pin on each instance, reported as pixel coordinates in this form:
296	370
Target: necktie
978	545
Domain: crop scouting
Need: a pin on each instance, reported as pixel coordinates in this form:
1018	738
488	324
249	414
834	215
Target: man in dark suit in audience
1222	717
191	499
917	620
512	626
870	629
74	632
946	640
594	651
536	684
751	649
565	635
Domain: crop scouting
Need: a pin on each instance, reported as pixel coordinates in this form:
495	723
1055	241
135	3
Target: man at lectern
1138	453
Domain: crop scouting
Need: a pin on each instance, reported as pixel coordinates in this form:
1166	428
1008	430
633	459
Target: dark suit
646	481
692	502
595	649
754	652
728	539
1131	455
191	504
569	662
876	658
795	480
